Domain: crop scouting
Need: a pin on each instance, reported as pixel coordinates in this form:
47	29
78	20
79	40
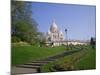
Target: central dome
53	27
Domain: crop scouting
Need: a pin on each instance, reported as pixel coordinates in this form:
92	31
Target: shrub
15	39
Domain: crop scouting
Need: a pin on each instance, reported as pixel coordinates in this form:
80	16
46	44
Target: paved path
34	67
20	70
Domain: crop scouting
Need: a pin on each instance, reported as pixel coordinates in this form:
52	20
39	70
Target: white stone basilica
54	35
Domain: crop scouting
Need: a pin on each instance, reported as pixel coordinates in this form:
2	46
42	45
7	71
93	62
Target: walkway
34	67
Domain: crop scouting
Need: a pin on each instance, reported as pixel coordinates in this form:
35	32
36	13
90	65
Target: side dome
48	33
61	33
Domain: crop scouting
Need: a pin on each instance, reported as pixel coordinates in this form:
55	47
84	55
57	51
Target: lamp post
66	39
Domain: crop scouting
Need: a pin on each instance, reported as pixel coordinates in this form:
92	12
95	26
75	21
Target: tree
92	42
42	39
23	25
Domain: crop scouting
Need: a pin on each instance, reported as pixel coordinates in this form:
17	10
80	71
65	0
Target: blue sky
78	19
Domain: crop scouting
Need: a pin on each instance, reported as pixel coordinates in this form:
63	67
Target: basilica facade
54	35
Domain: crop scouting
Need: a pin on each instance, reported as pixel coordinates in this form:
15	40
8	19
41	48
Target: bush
15	39
76	61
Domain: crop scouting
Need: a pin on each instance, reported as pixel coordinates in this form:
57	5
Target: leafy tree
42	39
23	25
92	42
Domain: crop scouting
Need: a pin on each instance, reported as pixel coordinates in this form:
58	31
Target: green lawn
85	59
88	61
24	54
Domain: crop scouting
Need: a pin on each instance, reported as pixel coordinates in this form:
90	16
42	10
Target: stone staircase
34	67
35	64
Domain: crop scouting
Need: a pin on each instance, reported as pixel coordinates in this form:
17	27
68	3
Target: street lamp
66	39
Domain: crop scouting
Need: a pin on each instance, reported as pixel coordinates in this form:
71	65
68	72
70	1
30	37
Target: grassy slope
61	63
87	61
24	54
